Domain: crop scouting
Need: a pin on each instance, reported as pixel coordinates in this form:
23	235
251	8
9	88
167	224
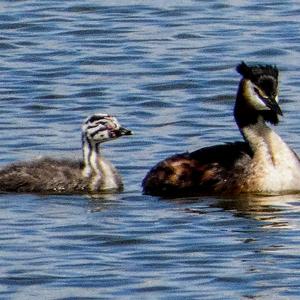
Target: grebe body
93	174
263	163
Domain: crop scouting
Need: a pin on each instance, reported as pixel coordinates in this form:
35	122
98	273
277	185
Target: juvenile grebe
264	163
50	176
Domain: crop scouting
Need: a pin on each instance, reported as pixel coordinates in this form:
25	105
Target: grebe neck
264	141
91	155
100	172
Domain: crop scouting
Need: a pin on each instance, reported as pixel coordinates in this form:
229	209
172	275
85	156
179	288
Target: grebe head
100	128
259	88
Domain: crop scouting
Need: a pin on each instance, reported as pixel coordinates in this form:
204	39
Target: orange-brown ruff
261	164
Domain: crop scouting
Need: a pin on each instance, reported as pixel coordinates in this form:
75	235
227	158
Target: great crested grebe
264	163
93	174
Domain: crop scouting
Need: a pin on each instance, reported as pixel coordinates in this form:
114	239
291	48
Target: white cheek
254	99
257	103
115	123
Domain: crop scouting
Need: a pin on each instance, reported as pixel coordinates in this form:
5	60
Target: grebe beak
274	106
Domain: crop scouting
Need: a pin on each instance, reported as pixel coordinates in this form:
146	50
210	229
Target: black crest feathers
254	73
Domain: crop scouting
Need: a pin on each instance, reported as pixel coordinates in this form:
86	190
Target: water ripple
166	69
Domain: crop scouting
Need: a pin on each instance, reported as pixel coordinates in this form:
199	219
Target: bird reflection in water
272	210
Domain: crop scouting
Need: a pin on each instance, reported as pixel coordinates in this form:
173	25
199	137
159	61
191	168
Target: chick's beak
123	131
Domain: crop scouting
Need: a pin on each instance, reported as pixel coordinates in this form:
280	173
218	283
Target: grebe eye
257	91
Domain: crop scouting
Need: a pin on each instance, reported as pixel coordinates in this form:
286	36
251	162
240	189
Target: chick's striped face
99	128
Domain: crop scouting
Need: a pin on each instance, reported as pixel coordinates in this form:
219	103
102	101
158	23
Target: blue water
166	70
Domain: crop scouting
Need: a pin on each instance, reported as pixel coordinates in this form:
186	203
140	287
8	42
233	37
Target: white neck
101	173
260	138
265	142
274	164
90	152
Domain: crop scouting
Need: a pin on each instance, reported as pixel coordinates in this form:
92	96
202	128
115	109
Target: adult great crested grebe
92	175
264	163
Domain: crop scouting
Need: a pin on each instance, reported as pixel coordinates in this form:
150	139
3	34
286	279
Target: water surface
166	69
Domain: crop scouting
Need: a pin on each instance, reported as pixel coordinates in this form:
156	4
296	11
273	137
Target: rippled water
166	69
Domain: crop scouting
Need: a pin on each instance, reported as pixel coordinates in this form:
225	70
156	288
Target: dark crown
266	77
254	73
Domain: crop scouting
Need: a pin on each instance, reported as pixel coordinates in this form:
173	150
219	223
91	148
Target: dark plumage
257	73
45	175
216	167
